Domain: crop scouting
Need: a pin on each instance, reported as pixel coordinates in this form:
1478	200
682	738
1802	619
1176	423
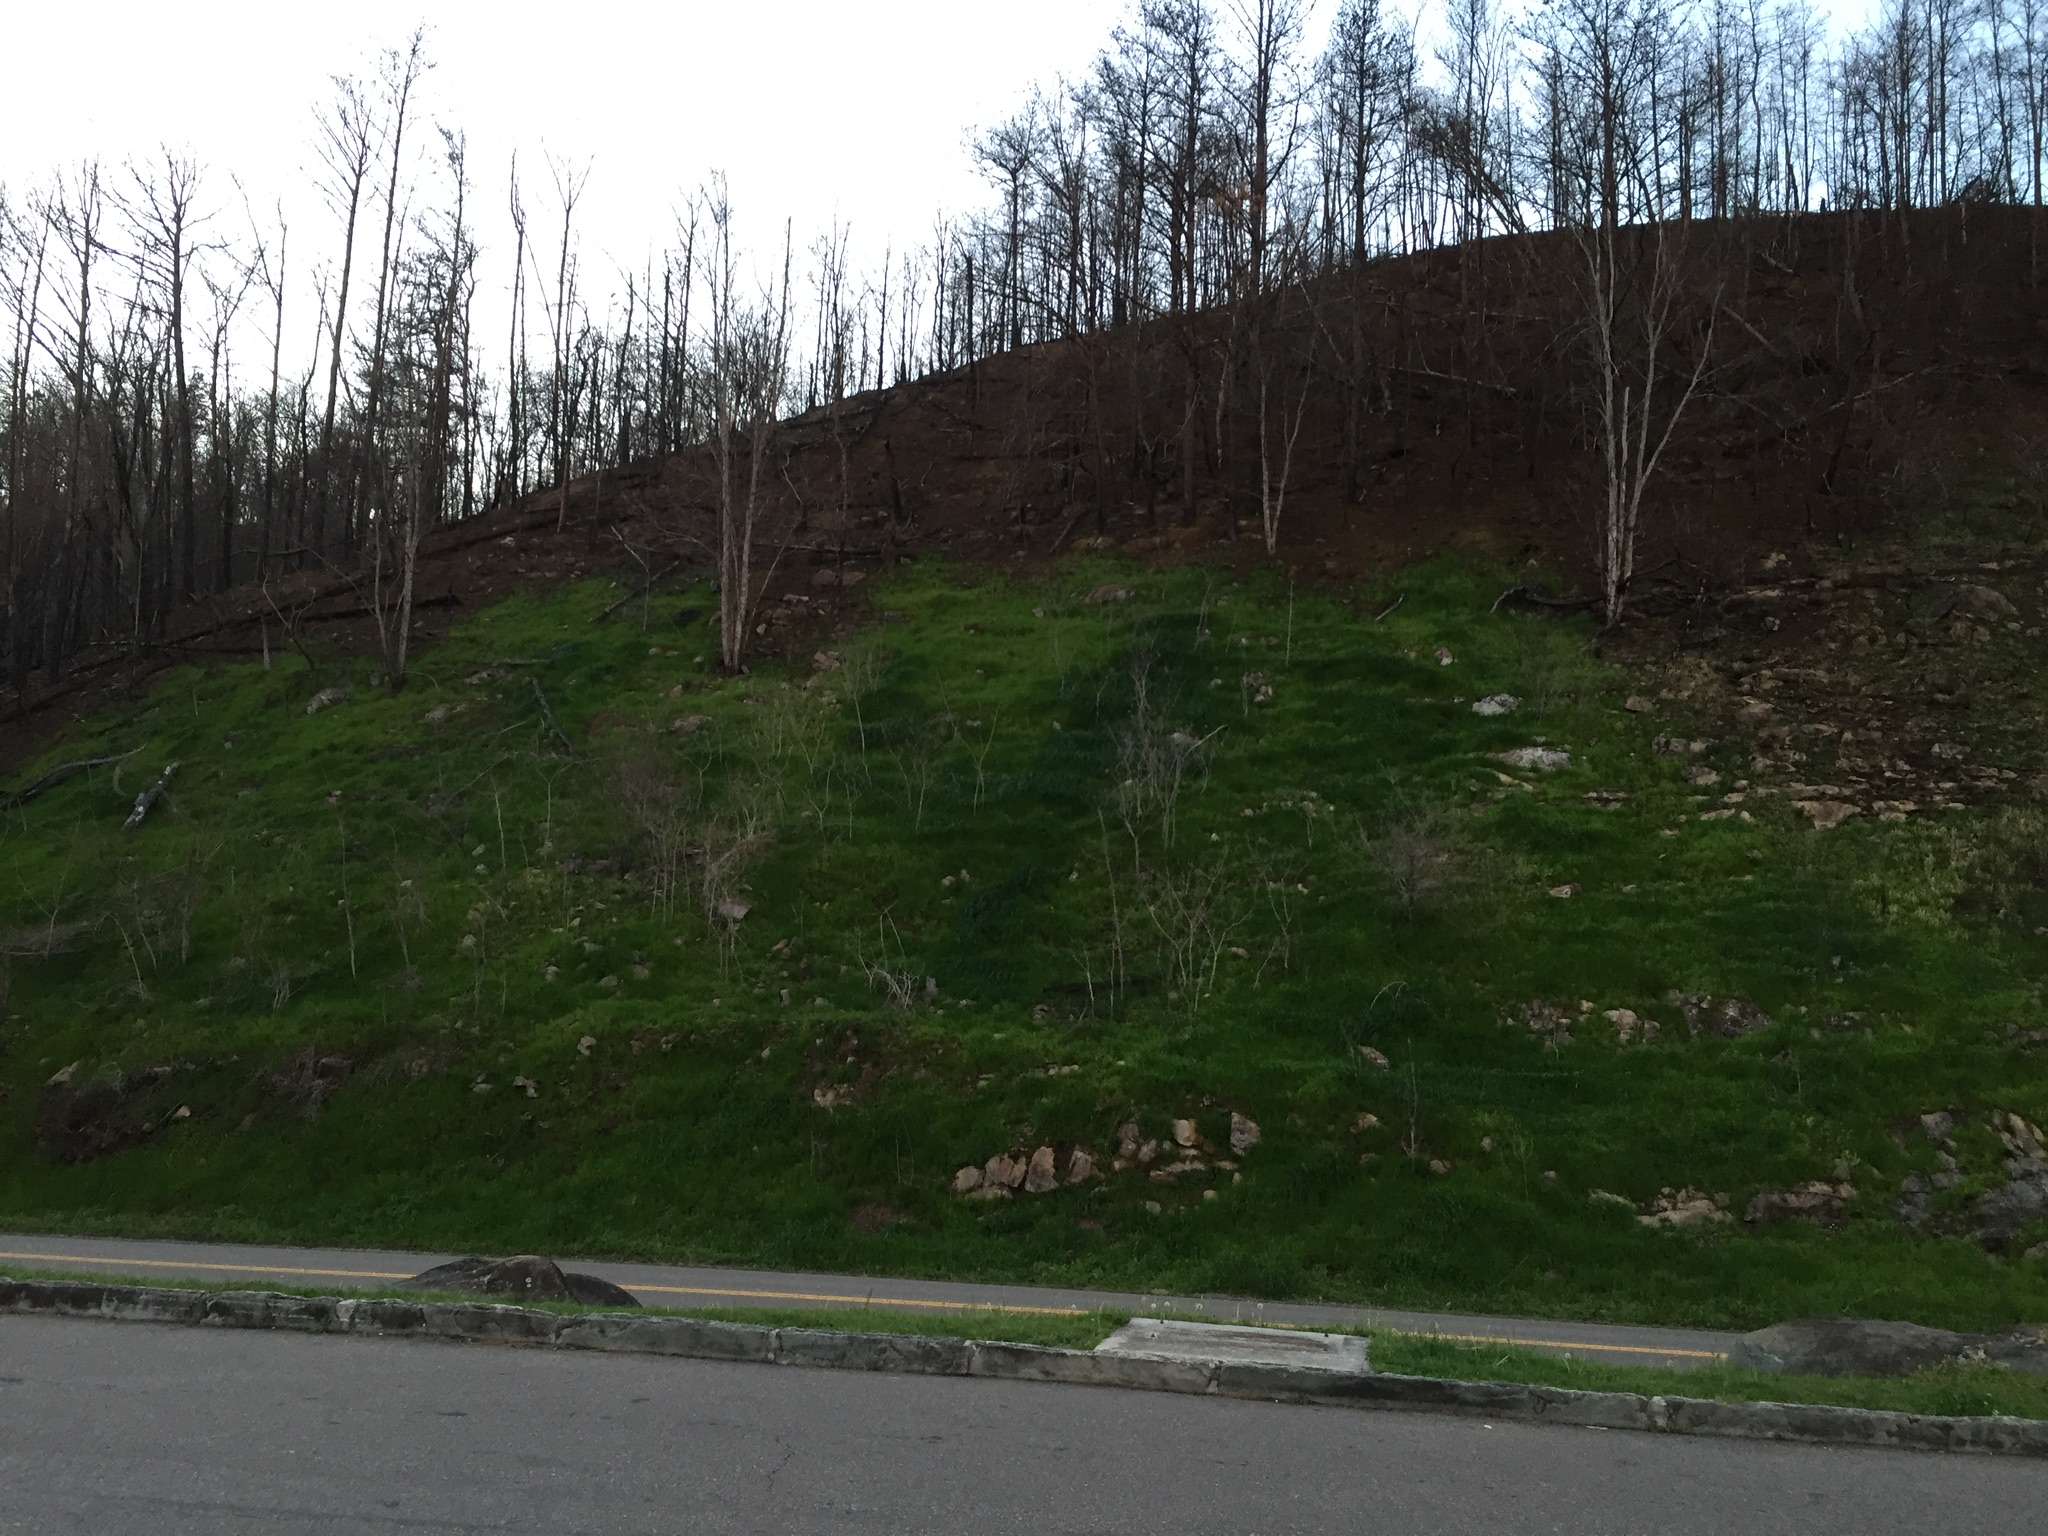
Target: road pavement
108	1429
675	1286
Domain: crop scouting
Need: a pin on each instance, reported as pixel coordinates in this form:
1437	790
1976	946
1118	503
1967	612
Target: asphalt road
663	1285
112	1428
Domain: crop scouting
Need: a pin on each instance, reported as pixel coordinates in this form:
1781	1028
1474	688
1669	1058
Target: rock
1840	1346
1701	775
2038	1251
1244	1133
1940	1125
1606	1197
1443	657
967	1180
826	576
327	698
1497	704
690	725
733	910
1636	704
1553	1024
1109	592
1080	1166
2019	1202
1377	1058
1827	814
1625	1023
1685	1208
587	1044
527	1086
1545	758
1003	1171
1816	1201
1564	892
1728	1018
527	1277
1975	601
825	661
1128	1137
1911	1208
1677	746
1185	1134
62	1076
1038	1174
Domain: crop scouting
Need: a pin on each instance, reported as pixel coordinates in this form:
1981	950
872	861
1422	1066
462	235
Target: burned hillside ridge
1868	371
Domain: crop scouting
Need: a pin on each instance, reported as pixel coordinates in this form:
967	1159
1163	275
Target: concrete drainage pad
1155	1338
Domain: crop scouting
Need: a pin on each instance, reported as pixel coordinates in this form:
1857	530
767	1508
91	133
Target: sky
814	109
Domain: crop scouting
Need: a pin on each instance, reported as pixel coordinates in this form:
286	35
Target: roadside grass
1022	869
1959	1390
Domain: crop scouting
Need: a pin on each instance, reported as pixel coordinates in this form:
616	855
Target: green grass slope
579	946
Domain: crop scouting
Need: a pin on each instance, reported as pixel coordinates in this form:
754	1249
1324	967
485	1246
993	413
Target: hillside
1225	891
1059	835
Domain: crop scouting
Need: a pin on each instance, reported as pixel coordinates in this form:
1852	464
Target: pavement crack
788	1453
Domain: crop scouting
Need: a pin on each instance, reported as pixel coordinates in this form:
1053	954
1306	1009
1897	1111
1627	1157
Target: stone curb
932	1355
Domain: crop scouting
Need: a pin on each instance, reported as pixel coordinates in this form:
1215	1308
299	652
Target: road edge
938	1355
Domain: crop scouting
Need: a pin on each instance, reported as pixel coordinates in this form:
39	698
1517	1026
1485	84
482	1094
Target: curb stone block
1084	1368
925	1355
694	1338
270	1309
686	1337
1827	1424
389	1317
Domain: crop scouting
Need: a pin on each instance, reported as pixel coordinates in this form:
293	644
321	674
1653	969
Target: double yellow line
916	1304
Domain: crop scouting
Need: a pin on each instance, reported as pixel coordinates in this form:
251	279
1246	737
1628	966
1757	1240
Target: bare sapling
1194	908
1418	853
731	843
1632	284
1154	764
746	367
660	805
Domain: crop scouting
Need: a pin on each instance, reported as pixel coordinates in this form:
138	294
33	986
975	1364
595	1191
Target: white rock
1497	704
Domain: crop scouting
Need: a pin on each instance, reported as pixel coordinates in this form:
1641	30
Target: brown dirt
1875	375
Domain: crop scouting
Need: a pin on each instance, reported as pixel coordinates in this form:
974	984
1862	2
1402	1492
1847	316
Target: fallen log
61	774
146	801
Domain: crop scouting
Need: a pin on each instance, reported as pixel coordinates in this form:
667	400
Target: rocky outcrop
1842	1346
524	1277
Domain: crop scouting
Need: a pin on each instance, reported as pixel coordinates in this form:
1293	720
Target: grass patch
1960	1390
746	968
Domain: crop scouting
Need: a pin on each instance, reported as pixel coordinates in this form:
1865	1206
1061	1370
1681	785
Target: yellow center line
226	1269
862	1301
840	1299
1617	1349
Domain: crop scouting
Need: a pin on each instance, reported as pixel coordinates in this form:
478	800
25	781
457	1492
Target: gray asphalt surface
112	1428
662	1285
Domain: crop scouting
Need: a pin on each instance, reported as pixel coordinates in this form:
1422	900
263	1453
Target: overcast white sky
811	107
